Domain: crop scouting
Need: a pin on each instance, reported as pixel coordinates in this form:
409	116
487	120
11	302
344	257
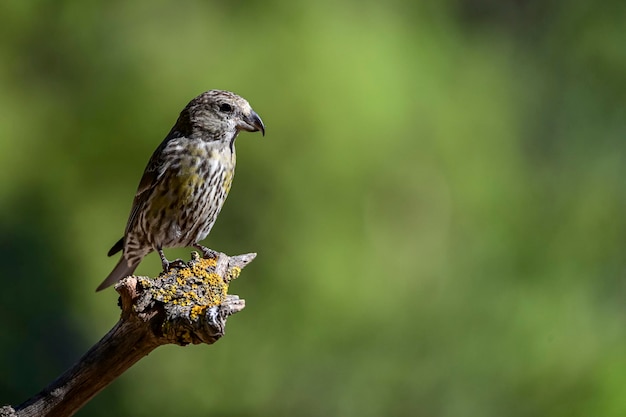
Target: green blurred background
438	204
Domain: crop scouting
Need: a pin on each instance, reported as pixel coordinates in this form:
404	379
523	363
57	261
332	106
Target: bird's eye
226	108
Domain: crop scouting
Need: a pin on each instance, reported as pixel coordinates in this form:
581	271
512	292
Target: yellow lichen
208	262
234	272
196	311
194	288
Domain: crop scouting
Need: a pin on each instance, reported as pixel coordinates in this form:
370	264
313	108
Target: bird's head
218	115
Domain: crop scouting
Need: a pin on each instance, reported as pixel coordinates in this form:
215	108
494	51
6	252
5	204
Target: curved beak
252	123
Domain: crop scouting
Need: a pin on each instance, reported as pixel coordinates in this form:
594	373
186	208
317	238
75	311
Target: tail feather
117	247
121	270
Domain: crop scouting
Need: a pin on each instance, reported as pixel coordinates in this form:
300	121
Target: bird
185	182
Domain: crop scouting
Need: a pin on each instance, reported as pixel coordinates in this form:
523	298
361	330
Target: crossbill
186	181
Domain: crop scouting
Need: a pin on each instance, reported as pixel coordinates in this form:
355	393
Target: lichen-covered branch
183	306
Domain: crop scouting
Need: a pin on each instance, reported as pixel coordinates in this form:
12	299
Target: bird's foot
176	263
206	252
167	265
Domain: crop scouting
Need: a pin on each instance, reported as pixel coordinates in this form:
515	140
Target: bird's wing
145	187
152	174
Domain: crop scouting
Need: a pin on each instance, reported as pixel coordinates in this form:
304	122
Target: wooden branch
183	306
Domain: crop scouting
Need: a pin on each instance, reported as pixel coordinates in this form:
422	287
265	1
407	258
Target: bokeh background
438	204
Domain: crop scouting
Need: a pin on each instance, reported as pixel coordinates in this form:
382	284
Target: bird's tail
121	270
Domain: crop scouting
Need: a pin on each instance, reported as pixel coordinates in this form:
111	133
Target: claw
206	252
177	263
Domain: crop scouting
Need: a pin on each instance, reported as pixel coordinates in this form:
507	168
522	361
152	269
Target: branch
183	306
